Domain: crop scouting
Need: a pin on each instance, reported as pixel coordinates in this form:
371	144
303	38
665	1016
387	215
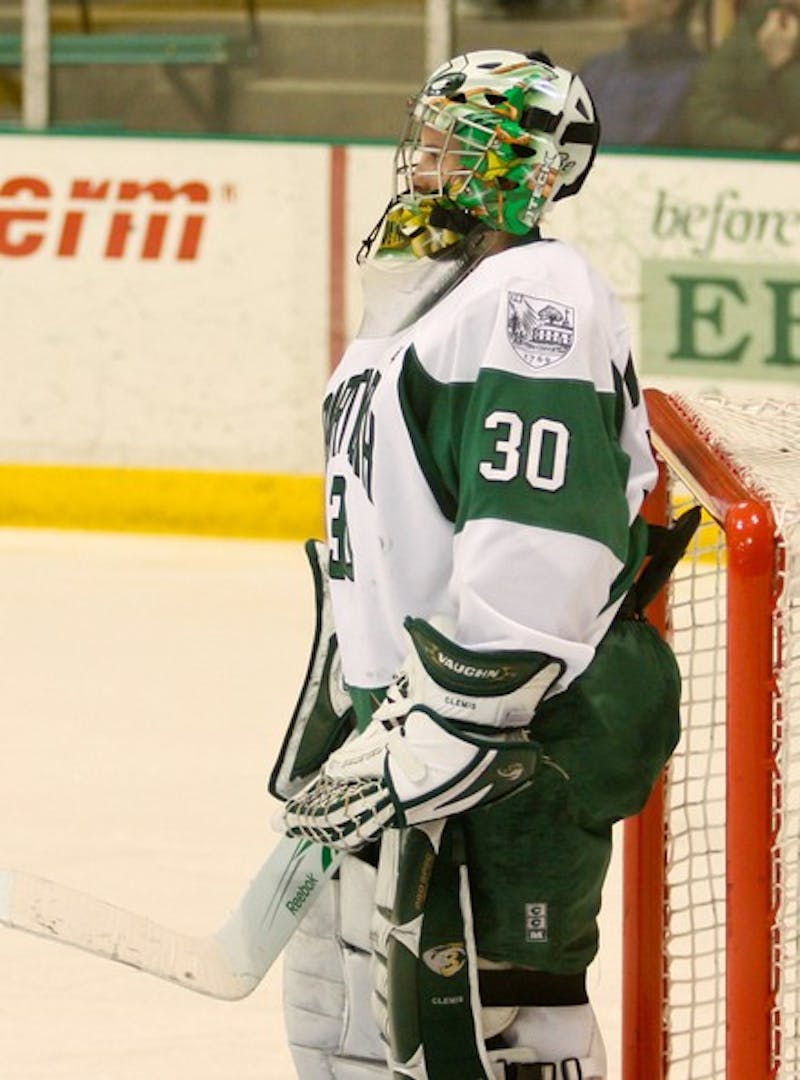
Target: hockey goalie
485	697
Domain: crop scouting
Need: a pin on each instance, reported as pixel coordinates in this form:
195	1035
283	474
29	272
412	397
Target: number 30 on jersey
545	463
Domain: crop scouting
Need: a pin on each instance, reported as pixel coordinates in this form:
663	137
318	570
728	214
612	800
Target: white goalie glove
449	737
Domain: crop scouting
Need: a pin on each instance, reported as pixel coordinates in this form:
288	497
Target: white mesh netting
762	440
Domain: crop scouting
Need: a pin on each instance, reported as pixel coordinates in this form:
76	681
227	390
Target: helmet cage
492	168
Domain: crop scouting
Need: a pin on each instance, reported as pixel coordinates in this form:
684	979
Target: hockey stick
229	964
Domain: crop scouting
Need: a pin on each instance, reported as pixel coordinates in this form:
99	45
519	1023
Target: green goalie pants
537	861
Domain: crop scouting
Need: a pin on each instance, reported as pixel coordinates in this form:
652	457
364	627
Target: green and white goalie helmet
494	137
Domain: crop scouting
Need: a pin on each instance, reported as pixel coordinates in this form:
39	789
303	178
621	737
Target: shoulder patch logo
541	332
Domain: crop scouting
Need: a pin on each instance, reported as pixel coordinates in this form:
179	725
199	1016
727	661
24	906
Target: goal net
712	951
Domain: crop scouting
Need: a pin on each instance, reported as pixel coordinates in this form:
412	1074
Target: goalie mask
493	138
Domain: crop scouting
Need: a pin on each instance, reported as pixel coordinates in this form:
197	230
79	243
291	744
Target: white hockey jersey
487	463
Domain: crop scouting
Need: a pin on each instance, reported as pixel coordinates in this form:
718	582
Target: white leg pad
360	1035
566	1035
327	985
358	880
359	1070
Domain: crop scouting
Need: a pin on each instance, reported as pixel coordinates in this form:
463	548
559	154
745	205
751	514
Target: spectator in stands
640	89
747	94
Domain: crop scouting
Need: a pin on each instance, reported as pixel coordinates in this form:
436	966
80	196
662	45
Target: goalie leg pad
564	1041
426	976
312	1065
359	1070
327	983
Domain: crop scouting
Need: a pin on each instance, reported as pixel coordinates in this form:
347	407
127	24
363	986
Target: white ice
144	686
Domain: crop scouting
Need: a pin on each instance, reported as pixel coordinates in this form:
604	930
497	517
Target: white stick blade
227	965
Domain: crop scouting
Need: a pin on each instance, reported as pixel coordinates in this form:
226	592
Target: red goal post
711	953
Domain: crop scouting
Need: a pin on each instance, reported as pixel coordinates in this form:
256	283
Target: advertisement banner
705	254
165	302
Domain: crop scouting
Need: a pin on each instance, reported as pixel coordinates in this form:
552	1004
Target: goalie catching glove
447	738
